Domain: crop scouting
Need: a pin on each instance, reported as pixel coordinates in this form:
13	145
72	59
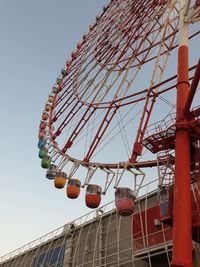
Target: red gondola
78	45
93	196
124	201
73	54
43	125
73	188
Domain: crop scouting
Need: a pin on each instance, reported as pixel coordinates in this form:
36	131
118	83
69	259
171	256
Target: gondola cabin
43	125
41	143
78	45
124	201
59	79
45	116
73	188
54	88
91	26
73	55
105	8
165	202
51	172
93	196
47	107
68	63
60	180
63	71
84	38
45	162
50	99
42	153
41	135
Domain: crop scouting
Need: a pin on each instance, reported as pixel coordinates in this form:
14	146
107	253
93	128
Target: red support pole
182	219
182	226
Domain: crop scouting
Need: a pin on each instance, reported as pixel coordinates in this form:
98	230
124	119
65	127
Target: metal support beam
193	89
192	14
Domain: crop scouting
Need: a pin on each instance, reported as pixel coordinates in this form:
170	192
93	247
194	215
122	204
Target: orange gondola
50	98
47	107
124	201
93	196
60	180
73	188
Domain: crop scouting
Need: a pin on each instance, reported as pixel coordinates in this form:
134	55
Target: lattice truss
119	80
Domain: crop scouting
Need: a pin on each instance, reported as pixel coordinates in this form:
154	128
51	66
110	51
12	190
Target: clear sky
37	37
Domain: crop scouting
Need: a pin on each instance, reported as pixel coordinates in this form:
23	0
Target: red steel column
182	226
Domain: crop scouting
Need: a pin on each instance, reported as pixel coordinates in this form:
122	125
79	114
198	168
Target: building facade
103	238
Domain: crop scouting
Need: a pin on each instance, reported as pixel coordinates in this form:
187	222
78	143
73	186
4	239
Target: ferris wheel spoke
63	103
64	107
89	82
75	109
67	83
65	90
115	36
123	134
80	125
88	85
137	51
156	78
113	132
98	87
100	132
129	44
92	125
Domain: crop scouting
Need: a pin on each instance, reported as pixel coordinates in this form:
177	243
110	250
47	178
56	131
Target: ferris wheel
119	80
117	108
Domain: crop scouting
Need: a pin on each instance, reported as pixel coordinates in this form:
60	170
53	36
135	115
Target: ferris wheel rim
95	105
117	165
89	105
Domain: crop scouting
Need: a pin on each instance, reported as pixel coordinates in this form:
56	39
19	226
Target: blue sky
37	37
